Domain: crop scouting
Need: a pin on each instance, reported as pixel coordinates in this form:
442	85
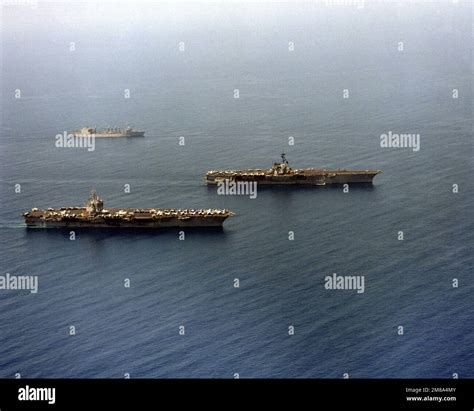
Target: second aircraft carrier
282	173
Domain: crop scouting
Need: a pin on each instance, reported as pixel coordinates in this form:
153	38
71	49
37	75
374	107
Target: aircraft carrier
282	173
93	214
109	132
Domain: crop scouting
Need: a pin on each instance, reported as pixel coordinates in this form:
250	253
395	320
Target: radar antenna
283	158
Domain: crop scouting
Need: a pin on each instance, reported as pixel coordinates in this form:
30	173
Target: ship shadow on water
332	187
289	188
104	233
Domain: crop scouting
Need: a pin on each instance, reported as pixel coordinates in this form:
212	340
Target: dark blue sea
401	64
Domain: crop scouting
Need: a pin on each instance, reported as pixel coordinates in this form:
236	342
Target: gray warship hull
93	214
173	222
120	135
88	132
306	177
282	174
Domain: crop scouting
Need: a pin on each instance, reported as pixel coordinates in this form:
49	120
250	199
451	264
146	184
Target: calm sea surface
72	63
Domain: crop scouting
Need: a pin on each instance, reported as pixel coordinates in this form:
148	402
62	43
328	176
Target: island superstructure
93	214
282	173
109	132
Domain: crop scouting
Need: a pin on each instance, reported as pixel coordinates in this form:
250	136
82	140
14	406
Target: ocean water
72	62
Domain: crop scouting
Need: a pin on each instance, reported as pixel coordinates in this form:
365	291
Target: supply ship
93	214
108	132
282	173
